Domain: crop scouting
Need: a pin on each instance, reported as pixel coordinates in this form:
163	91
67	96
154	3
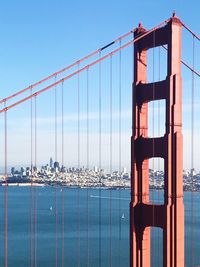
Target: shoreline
78	187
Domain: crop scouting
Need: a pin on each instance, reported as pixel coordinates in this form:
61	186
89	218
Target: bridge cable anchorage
66	68
192	154
111	160
78	163
100	136
5	192
63	181
56	173
82	69
88	166
120	149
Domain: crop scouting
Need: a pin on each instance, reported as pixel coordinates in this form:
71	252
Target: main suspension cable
83	68
189	30
66	68
186	65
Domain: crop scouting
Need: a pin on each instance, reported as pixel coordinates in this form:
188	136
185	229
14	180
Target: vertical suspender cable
120	151
192	156
31	128
100	160
159	135
31	189
35	193
131	214
78	194
111	140
63	191
5	195
56	177
55	118
153	133
88	166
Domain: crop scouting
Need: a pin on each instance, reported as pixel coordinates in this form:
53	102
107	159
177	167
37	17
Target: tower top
140	25
174	14
174	18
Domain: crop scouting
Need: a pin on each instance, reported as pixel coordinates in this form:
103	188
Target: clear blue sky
41	36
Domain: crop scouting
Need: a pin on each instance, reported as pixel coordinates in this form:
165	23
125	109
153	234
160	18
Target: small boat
50	208
123	216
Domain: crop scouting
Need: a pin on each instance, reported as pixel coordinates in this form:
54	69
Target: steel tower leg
170	215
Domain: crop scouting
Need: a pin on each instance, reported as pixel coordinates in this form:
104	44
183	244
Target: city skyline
53	174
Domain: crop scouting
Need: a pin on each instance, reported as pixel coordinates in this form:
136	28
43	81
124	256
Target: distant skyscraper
51	163
12	170
56	166
192	172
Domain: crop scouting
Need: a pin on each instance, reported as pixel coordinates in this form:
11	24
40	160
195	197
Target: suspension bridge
134	102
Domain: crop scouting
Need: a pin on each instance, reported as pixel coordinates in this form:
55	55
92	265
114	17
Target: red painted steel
143	214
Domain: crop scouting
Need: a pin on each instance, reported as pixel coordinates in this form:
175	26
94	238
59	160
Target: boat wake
113	198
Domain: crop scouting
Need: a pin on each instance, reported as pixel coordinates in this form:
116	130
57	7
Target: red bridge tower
170	215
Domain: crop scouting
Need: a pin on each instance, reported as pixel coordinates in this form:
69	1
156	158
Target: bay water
96	227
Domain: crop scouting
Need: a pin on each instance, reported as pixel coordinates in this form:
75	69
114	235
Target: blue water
75	237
